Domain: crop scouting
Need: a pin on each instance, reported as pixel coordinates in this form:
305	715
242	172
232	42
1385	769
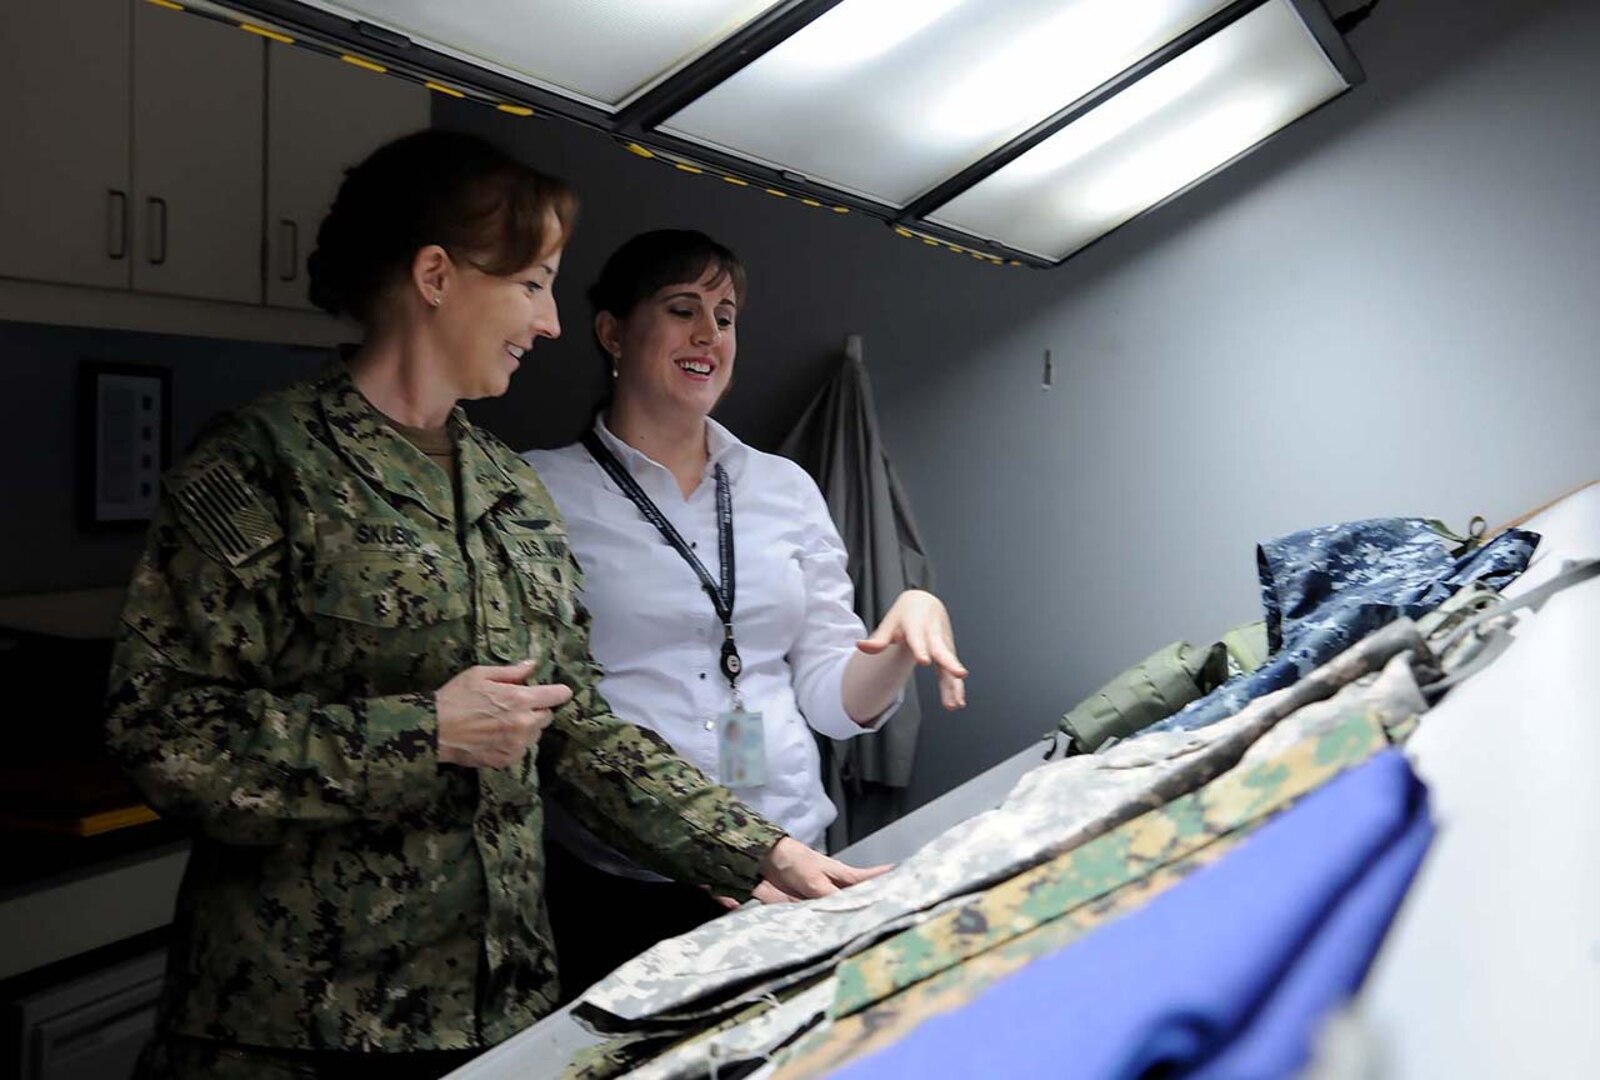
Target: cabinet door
323	116
197	145
64	191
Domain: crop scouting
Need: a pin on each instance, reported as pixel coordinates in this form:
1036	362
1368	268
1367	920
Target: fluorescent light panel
603	53
887	98
1169	129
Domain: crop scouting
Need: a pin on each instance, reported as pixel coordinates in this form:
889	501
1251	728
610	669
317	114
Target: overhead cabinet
197	150
322	117
66	191
150	150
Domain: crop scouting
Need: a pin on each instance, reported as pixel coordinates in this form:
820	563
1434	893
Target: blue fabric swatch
1173	984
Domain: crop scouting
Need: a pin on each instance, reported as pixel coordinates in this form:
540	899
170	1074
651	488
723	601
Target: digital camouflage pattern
1304	751
1053	809
886	992
310	579
836	1042
1325	588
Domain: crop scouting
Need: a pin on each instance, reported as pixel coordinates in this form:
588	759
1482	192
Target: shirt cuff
834	721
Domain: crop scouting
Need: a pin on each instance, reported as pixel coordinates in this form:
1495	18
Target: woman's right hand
489	716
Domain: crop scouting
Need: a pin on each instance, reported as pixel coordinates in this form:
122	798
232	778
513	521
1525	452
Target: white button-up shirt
658	639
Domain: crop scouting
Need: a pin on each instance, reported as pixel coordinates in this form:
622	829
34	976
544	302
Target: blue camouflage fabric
1324	589
310	579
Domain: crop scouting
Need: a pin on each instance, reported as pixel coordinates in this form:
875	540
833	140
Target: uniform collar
724	446
386	459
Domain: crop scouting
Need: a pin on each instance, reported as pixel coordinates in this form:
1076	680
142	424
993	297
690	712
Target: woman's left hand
918	620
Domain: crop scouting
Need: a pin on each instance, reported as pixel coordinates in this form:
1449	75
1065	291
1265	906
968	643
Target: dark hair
432	187
654	260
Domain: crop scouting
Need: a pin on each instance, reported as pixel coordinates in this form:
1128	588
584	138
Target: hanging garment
1325	588
1053	809
1147	993
837	441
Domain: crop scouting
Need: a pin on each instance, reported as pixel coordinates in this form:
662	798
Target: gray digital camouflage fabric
961	947
1053	809
309	580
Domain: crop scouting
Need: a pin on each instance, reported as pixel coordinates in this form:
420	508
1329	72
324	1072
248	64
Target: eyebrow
547	268
686	295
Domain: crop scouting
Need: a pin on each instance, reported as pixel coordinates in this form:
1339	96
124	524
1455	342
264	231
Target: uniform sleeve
631	789
187	714
831	628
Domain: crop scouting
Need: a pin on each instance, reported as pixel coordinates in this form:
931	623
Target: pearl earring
437	299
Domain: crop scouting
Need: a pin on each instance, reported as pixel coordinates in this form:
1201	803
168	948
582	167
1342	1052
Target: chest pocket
538	554
394	589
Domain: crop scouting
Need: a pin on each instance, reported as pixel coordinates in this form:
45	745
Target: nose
547	320
706	328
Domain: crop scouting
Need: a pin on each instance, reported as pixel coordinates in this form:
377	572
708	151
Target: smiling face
485	323
675	349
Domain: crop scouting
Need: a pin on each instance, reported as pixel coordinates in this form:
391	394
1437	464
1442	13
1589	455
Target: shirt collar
381	454
724	446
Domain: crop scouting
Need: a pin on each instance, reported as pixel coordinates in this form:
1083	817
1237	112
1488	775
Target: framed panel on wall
124	442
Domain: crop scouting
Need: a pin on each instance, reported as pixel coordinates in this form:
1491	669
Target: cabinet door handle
116	223
157	221
288	250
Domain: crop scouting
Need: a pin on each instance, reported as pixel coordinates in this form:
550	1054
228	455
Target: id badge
741	749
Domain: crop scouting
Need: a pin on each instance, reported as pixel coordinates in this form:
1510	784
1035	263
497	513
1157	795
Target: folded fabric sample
1151	690
1148	993
1053	809
1298	755
838	1040
1328	587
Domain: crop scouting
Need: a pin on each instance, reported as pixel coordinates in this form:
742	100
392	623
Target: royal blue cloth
1244	956
1325	589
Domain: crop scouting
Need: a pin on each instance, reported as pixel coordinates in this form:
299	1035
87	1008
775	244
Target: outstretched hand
918	620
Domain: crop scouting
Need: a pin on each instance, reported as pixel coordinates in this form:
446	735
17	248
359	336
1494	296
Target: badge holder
741	739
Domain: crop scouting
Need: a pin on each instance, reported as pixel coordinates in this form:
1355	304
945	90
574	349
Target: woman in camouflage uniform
353	656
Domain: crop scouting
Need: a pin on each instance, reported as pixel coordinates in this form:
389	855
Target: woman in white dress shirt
738	692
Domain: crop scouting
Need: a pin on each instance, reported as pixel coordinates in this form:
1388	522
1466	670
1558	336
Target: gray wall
41	547
1390	309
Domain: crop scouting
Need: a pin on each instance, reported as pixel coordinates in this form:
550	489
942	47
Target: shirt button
710	726
702	674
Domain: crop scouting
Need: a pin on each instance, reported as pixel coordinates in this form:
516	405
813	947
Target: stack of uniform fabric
1192	899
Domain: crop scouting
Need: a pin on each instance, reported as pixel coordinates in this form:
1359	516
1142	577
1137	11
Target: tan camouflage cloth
310	579
886	992
965	945
1053	809
1302	752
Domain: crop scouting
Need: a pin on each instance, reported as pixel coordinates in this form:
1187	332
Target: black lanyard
721	596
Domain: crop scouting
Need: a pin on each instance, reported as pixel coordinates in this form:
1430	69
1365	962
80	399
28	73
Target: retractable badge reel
741	739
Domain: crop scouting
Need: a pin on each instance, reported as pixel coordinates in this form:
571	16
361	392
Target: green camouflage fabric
1294	748
308	582
1053	809
941	965
836	1042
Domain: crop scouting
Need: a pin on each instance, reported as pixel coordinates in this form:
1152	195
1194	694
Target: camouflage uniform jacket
308	582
